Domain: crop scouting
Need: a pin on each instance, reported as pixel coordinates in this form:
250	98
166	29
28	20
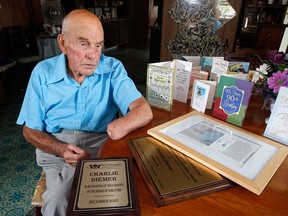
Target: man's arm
47	143
139	115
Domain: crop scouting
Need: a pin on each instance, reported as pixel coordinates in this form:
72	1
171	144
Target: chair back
18	43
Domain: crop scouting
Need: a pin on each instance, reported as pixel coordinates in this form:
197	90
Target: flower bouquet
270	76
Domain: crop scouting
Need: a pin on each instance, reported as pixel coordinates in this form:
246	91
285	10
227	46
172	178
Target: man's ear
61	43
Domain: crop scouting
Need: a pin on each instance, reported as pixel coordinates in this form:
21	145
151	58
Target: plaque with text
170	175
104	187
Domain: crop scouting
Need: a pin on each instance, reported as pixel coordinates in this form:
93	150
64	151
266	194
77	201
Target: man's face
83	49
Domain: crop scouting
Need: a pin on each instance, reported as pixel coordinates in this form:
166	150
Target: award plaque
170	175
104	187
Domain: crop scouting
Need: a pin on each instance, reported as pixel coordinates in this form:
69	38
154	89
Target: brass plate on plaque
103	186
170	175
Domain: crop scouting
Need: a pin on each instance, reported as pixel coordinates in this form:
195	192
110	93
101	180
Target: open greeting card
182	79
277	127
248	159
206	62
167	81
160	85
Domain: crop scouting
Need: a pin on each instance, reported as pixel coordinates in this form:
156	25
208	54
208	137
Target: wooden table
233	201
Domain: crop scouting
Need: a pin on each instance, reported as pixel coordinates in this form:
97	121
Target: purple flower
275	56
277	80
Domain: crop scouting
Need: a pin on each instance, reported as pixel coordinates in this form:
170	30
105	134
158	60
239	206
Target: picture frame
248	159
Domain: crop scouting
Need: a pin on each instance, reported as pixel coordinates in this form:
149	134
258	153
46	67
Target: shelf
272	25
109	9
262	24
115	18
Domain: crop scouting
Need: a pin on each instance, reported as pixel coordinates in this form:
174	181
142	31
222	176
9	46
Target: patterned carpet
19	172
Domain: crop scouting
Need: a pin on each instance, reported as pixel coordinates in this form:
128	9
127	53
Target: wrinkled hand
73	153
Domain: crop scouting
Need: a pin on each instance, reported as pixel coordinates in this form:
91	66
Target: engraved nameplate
103	186
170	175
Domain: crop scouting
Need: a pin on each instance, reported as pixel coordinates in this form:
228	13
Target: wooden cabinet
115	18
269	36
116	32
263	24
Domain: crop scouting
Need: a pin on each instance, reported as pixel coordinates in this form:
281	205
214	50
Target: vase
269	103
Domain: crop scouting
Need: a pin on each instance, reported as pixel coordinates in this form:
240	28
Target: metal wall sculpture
198	21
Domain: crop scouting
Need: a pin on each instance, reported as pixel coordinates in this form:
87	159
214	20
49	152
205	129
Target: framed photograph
247	159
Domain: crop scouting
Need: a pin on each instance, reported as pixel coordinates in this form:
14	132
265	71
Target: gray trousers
59	175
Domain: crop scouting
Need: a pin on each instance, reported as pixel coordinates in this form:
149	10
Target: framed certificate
104	187
247	159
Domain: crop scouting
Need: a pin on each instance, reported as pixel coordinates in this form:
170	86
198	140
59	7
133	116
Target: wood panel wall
169	29
25	13
20	12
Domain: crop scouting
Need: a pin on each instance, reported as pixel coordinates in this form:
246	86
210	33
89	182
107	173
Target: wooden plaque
104	187
170	175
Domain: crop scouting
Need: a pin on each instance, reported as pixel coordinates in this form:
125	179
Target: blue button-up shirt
55	101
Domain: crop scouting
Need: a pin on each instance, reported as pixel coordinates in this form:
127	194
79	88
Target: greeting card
207	61
196	74
203	95
159	88
219	66
182	79
194	59
232	99
277	127
167	81
238	67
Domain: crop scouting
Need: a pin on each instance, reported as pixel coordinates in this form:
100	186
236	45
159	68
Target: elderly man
71	104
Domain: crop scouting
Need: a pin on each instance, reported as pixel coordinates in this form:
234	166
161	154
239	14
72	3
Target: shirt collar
104	65
60	71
